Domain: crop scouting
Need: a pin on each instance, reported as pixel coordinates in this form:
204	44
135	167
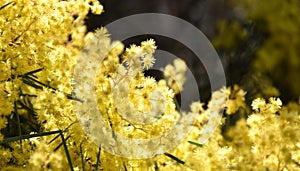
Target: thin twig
19	36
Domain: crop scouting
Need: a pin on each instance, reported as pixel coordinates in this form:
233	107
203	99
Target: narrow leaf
66	150
82	158
174	158
194	143
26	107
32	84
296	163
63	131
98	158
71	97
124	165
27	136
34	71
19	123
56	148
2	7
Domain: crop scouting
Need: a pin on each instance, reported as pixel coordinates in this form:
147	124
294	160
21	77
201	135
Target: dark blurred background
238	38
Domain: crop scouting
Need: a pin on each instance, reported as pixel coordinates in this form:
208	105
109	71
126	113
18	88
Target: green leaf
174	158
34	71
63	131
32	84
2	7
194	143
82	158
56	148
98	158
124	165
19	122
27	136
66	150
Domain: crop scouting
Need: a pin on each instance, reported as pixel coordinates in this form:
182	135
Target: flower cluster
40	129
175	75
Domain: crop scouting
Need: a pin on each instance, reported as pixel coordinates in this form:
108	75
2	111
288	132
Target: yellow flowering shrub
39	48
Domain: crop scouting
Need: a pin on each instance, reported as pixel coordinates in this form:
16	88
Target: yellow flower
97	8
276	102
148	61
196	107
258	104
148	46
176	75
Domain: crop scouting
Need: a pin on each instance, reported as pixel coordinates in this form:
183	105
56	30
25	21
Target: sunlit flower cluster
175	75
